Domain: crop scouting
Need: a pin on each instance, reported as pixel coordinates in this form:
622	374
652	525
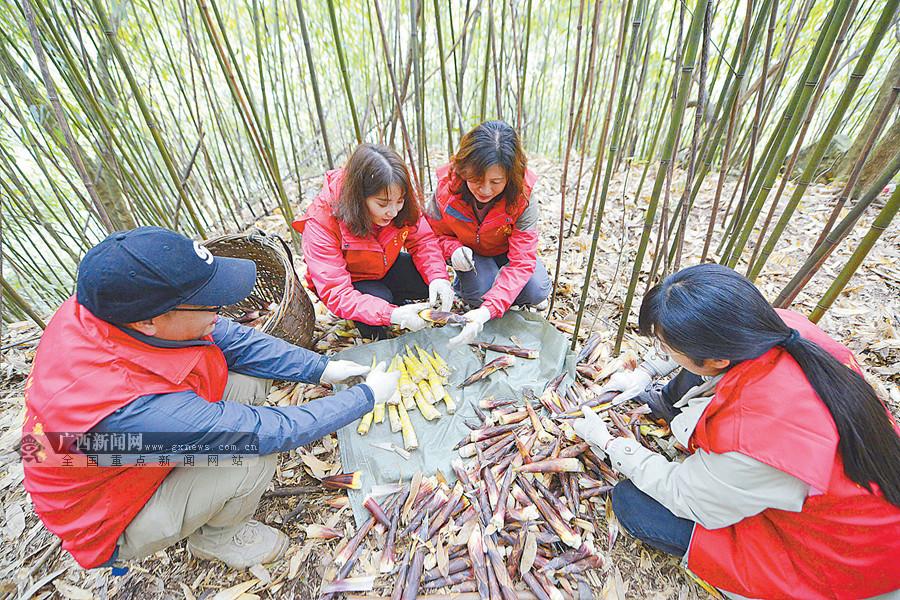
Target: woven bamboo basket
276	281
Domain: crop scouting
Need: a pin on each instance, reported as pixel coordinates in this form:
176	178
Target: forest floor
864	318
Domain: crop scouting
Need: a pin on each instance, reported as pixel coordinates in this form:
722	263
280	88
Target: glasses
213	309
660	348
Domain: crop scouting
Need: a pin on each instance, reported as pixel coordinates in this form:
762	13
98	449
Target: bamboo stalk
837	117
753	268
397	102
821	253
73	149
879	225
691	43
784	134
345	75
440	43
21	303
314	80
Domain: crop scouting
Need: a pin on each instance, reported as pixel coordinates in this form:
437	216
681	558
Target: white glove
628	383
383	384
461	259
440	290
477	318
407	316
592	429
338	371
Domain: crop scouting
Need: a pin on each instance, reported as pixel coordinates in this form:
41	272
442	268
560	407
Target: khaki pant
205	503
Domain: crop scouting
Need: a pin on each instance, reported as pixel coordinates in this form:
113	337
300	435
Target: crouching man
140	348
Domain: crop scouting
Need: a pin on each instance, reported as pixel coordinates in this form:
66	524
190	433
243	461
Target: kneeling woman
353	233
792	487
487	224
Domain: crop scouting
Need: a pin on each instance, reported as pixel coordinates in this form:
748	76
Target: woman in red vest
487	225
792	487
353	233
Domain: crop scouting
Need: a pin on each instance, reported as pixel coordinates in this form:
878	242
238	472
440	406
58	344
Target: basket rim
275	244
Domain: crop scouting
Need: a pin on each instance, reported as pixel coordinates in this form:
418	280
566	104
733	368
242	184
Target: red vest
84	370
491	236
369	257
845	542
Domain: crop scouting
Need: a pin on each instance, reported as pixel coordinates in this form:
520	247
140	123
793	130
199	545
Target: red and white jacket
501	232
845	542
335	257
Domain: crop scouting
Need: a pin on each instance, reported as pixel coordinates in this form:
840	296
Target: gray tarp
437	438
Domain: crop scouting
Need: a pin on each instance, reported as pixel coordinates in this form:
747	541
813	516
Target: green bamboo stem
314	81
262	141
879	225
791	121
73	149
834	237
17	298
520	110
753	269
698	122
691	43
565	167
489	24
613	145
147	115
440	43
863	155
831	128
755	128
263	152
345	74
734	110
399	105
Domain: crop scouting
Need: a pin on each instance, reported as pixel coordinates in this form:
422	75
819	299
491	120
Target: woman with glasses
792	485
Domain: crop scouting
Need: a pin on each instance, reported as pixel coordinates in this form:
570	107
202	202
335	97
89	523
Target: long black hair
709	311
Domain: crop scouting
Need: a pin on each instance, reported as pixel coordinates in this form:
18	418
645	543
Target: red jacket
845	542
84	370
335	257
514	234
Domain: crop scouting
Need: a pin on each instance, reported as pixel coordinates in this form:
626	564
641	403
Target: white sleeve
714	490
658	366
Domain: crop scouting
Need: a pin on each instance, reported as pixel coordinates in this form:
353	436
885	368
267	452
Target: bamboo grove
203	115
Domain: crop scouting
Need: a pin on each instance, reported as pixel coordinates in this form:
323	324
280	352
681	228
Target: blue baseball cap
140	274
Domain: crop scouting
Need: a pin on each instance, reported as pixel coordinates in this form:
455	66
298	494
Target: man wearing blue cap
140	349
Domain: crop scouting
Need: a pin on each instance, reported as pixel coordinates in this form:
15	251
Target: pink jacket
335	257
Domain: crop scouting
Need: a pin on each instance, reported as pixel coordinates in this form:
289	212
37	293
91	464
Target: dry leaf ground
864	318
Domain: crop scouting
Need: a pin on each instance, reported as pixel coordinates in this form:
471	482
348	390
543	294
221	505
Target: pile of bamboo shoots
423	377
518	522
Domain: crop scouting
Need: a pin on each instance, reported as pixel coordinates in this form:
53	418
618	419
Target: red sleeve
328	270
426	253
522	255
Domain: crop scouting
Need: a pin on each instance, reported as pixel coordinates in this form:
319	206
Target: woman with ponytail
792	485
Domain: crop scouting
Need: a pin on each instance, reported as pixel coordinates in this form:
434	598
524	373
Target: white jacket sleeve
714	490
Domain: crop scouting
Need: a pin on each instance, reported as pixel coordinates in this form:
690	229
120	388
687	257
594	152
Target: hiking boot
252	544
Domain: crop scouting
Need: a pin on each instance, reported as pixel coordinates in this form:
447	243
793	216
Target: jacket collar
171	363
